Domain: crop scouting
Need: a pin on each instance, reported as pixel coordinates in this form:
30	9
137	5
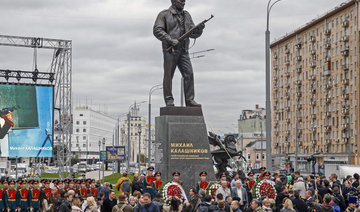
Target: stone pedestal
182	145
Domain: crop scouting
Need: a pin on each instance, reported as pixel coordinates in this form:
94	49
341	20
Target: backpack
118	209
126	186
58	203
203	208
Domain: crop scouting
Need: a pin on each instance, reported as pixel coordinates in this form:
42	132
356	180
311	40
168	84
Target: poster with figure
26	120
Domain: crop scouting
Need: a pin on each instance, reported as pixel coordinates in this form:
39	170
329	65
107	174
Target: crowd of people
237	193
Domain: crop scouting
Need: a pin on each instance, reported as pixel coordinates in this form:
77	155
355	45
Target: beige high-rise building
315	89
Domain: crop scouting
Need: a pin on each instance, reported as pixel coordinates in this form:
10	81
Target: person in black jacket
110	202
356	183
207	206
339	199
280	197
137	185
299	204
66	206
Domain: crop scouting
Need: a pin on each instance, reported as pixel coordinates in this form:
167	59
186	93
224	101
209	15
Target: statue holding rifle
174	27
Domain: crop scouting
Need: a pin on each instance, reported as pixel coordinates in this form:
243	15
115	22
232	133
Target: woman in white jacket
44	205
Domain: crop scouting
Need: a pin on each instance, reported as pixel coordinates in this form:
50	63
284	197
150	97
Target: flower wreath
264	189
212	188
170	189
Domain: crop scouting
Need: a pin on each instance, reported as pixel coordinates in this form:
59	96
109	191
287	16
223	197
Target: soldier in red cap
83	191
202	184
35	192
71	186
93	188
158	182
25	197
262	172
12	197
2	194
47	189
148	182
223	177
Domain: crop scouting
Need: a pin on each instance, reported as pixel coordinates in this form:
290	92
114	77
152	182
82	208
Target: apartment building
315	86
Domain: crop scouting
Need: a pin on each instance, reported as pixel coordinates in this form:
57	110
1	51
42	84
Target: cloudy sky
116	58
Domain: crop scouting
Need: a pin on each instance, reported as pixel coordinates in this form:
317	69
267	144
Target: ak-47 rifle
189	33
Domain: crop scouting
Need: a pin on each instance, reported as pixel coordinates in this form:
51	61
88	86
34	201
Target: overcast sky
116	58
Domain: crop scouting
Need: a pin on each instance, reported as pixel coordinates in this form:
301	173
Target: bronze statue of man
169	26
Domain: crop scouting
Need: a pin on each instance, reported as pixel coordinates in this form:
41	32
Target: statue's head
178	4
229	139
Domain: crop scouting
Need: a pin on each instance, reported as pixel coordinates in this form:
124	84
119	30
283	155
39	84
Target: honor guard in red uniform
262	172
12	197
60	187
176	177
251	182
47	189
71	186
25	197
2	194
66	184
158	182
42	187
77	186
83	191
202	184
88	181
18	184
148	181
34	192
93	188
223	177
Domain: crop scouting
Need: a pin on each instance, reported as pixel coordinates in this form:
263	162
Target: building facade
138	127
89	128
251	126
315	89
255	154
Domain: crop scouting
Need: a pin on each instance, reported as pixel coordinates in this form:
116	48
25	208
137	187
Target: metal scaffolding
59	75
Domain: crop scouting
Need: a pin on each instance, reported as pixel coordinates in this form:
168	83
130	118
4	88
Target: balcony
328	114
298	94
327	45
287	74
276	144
313	103
328	86
327	59
276	88
276	67
313	129
313	52
287	132
345	67
287	120
345	110
345	81
287	62
287	85
313	88
345	23
327	141
313	64
275	78
275	56
327	128
287	108
345	139
327	72
313	116
299	106
287	96
298	45
298	82
344	126
328	99
312	38
345	38
299	118
345	95
298	68
298	58
299	131
327	31
345	52
287	51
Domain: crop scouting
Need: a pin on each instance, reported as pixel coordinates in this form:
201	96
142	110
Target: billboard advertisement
26	120
115	153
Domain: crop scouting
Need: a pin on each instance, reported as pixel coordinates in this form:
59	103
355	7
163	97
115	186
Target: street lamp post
139	133
268	101
99	158
103	167
154	88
